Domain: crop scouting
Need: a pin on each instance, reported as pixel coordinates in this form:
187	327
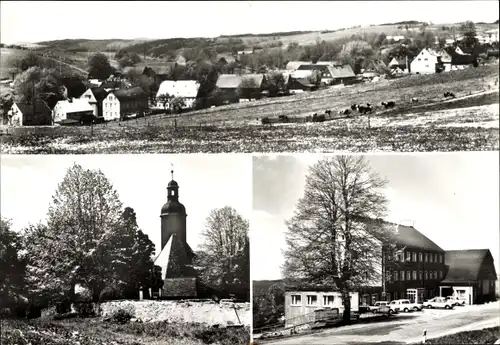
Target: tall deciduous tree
326	242
225	252
82	241
37	82
12	266
468	30
99	66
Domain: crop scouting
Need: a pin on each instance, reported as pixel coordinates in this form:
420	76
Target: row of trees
91	240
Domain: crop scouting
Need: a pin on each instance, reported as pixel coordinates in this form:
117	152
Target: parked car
376	306
439	302
405	305
456	300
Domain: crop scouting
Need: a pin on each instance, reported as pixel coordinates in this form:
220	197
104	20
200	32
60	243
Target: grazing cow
283	118
328	111
354	106
414	100
389	104
363	110
265	121
318	118
449	94
345	112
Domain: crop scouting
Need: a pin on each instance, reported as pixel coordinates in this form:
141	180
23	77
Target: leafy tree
315	77
125	61
248	88
177	103
12	272
326	241
82	242
225	253
276	82
6	101
468	30
45	82
355	51
99	66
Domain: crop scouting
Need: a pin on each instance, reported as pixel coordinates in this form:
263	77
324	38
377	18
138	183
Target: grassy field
484	336
6	54
469	122
95	332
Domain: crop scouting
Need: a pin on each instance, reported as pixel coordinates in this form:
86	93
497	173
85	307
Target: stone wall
207	312
180	287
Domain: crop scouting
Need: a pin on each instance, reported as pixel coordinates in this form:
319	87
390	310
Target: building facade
37	114
95	96
73	111
426	62
126	102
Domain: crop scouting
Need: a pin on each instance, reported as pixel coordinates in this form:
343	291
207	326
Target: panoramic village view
375	249
397	86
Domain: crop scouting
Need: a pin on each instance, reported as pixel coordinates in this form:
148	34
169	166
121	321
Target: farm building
301	74
303	302
121	103
181	60
471	275
95	96
294	65
300	85
73	111
453	60
187	89
224	59
331	72
229	84
245	52
376	66
37	114
426	62
399	63
111	85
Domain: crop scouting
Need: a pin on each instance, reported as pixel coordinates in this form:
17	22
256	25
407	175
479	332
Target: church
175	260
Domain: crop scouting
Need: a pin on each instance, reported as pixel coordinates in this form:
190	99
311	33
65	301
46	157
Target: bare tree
327	240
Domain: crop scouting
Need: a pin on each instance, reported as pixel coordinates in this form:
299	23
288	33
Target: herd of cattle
361	108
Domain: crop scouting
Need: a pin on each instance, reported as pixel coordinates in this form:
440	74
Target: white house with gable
187	89
72	111
425	62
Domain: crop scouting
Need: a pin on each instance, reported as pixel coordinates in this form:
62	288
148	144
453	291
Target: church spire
173	187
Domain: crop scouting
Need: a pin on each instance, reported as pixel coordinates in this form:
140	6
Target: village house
453	60
181	60
471	276
304	301
246	52
426	62
95	96
332	73
299	85
73	111
401	64
294	65
376	66
37	113
186	89
125	102
229	84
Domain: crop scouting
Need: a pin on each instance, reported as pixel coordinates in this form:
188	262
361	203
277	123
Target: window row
312	300
412	275
419	257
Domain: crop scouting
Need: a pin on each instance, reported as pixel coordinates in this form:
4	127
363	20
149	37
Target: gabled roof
232	81
179	88
76	105
464	265
299	74
40	108
344	71
99	93
293	65
377	65
132	93
175	259
304	82
404	235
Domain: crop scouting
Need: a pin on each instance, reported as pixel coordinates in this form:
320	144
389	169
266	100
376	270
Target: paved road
405	328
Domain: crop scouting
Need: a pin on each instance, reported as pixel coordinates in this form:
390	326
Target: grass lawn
95	332
484	336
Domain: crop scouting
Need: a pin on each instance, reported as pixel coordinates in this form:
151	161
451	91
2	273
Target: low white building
72	111
186	89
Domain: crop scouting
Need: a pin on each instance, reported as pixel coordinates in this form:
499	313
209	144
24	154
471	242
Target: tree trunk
347	304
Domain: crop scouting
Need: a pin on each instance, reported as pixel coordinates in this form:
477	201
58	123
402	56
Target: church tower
173	215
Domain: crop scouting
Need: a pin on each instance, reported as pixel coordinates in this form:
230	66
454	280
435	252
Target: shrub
121	316
84	308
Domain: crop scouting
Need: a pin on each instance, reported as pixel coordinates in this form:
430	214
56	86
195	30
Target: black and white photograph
375	249
125	249
249	76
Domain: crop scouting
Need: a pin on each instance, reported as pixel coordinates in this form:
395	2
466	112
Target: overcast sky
205	182
25	21
452	198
